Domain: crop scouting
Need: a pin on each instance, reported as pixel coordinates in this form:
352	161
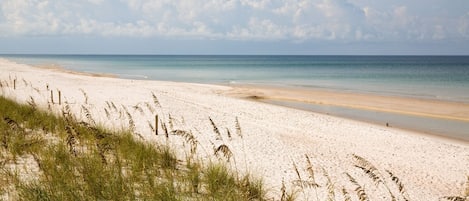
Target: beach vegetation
45	156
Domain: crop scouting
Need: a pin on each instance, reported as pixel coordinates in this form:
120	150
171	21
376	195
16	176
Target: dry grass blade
225	150
108	105
346	195
284	191
455	198
296	171
12	123
358	188
151	126
238	128
228	133
66	112
165	129
108	115
24	81
85	95
188	136
170	122
330	186
300	182
310	169
399	184
215	129
155	100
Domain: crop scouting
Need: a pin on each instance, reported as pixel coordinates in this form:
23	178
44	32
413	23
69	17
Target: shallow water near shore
435	126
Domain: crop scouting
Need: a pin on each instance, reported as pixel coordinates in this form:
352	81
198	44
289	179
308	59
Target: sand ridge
273	138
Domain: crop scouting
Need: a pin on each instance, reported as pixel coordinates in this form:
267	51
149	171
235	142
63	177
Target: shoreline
58	68
305	99
273	137
394	104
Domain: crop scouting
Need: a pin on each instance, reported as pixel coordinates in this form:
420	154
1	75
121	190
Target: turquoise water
433	77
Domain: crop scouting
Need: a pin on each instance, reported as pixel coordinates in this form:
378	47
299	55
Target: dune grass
77	161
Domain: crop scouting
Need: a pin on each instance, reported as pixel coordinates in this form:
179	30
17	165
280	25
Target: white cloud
96	2
294	20
257	4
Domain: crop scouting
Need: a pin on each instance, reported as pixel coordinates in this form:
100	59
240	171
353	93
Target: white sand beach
273	138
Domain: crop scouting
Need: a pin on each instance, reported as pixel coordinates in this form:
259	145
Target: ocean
430	77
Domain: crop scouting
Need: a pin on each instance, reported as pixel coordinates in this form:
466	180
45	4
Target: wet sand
393	104
435	117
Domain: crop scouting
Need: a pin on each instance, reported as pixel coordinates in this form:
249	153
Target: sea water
430	77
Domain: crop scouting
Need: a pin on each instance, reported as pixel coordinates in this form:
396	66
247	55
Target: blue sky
234	26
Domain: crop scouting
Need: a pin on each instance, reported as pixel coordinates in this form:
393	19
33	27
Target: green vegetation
46	157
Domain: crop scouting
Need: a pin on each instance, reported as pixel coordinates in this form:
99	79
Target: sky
316	27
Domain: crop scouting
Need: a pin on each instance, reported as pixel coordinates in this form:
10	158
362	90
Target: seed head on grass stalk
114	106
131	120
155	100
330	186
299	182
215	129
361	194
310	170
189	138
373	173
368	168
346	195
149	107
400	185
88	115
32	103
225	150
36	90
138	108
84	95
24	81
